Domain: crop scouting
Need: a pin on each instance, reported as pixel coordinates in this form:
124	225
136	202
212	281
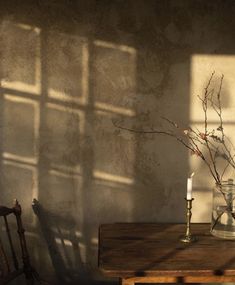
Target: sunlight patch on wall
62	145
113	178
114	76
67	63
202	66
114	109
63	174
72	112
64	171
114	152
123	48
20	130
21	64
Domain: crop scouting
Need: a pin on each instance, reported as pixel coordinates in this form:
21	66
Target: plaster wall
69	71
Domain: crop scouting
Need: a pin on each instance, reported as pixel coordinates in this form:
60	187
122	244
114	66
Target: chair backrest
10	267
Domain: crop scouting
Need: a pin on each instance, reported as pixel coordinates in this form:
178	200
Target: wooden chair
10	268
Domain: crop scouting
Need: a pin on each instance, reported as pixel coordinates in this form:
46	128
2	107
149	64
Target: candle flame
192	175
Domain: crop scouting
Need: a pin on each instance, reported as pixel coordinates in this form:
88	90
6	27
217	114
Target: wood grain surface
136	252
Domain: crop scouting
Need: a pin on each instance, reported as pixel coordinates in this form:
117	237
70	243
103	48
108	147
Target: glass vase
223	210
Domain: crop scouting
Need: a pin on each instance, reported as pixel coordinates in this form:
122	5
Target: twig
206	141
154	132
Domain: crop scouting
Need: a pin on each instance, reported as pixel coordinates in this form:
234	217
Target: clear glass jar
223	210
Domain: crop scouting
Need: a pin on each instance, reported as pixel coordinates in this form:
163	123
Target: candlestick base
188	239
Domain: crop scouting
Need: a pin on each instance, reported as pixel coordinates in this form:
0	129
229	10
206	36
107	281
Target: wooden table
152	253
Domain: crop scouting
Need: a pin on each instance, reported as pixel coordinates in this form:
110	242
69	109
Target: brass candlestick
188	237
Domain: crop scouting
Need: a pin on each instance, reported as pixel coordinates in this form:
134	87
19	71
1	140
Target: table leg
126	281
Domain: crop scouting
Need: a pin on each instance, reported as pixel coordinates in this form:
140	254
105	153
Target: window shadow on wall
60	145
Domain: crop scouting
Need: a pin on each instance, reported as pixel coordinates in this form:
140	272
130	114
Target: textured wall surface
69	70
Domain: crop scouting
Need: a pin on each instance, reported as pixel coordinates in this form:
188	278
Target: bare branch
156	132
208	144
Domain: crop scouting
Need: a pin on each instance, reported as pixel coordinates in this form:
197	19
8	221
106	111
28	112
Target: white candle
190	187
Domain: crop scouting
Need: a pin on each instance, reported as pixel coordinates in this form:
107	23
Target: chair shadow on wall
58	232
63	245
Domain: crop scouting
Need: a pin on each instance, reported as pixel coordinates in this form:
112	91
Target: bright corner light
202	67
